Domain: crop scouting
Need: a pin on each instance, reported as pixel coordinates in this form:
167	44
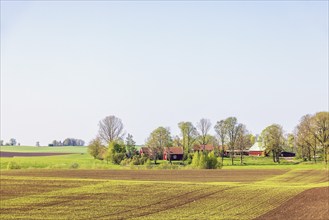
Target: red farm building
256	149
174	153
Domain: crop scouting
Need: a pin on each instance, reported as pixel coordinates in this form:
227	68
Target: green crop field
79	194
76	186
66	149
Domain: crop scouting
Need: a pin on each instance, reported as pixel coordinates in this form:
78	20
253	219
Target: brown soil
310	204
154	175
28	154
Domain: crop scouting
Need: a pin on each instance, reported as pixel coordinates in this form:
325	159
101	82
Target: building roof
174	150
207	147
257	146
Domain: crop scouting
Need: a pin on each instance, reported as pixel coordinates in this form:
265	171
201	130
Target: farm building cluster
177	153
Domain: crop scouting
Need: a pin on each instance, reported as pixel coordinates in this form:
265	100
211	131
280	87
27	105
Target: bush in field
118	157
135	160
116	152
189	158
13	165
138	160
205	161
167	166
195	160
212	161
74	166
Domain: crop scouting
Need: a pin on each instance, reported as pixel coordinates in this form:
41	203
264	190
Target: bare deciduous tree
111	129
233	130
221	130
204	126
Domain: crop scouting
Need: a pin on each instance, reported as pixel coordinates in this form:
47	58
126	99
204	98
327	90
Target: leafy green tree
115	152
130	146
12	141
306	139
321	132
158	140
95	148
274	140
291	143
177	141
189	135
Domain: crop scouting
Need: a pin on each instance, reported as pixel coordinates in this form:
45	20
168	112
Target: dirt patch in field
155	175
28	154
310	204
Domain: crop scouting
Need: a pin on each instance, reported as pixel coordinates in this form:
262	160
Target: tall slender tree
221	130
233	130
189	135
204	126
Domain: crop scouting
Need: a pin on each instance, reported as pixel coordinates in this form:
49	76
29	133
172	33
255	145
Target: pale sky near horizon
67	65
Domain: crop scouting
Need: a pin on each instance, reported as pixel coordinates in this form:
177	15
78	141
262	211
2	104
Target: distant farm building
287	154
256	149
173	153
203	148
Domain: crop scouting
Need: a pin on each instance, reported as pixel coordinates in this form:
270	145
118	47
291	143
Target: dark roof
174	150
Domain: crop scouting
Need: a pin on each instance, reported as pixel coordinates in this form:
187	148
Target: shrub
211	162
126	162
206	161
13	165
189	158
118	157
203	161
74	166
195	160
148	164
138	160
167	166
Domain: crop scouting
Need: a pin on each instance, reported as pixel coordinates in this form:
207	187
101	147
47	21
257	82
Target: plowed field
158	194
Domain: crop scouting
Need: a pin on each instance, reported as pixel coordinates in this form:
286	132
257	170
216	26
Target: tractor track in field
148	205
193	199
175	204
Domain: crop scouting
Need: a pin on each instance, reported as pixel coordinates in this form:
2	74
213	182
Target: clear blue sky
67	65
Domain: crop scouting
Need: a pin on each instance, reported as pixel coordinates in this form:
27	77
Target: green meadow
80	159
45	149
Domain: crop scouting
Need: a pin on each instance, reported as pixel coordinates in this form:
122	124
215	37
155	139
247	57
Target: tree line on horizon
309	140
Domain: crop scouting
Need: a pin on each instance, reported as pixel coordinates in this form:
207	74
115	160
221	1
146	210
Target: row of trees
68	142
12	142
310	136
